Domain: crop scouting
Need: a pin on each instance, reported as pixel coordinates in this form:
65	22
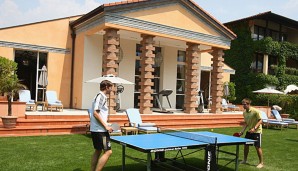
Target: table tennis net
190	135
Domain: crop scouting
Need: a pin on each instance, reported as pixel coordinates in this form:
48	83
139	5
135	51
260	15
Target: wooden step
56	123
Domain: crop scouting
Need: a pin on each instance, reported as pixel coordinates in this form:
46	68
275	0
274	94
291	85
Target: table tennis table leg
237	158
148	161
123	156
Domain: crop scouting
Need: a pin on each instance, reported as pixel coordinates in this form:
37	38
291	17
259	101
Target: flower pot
284	115
9	121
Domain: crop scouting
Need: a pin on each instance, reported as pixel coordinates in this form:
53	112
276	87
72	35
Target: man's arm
256	126
99	119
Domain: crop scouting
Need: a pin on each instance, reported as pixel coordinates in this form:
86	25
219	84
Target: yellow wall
55	33
59	76
6	52
174	16
78	74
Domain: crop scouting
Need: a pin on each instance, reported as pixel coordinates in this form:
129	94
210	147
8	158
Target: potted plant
9	85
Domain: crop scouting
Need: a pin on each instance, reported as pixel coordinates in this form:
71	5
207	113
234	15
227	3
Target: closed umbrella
226	90
43	80
268	90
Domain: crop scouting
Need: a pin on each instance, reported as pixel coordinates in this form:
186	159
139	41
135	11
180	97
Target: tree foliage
240	57
9	82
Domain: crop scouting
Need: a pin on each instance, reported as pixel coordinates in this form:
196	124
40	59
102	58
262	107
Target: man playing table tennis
99	128
253	122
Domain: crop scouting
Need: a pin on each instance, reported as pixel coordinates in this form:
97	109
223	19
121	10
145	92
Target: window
180	83
271	61
30	64
257	63
259	33
274	35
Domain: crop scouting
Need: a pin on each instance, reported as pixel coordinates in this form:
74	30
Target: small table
43	104
126	130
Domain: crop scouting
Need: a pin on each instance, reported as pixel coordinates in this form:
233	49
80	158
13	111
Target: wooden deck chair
25	96
135	120
52	101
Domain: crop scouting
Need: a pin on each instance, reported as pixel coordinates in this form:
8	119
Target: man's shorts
255	136
101	140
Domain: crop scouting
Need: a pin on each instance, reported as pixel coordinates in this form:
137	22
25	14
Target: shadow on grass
293	140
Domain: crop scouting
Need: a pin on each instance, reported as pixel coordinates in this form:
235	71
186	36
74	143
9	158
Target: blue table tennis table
159	143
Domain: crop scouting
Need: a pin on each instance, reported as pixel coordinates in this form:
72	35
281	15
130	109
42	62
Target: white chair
267	122
226	106
285	120
135	120
52	101
25	96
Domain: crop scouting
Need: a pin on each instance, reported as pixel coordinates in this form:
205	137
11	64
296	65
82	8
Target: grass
73	153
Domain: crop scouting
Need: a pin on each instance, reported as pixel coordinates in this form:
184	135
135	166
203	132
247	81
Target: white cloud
46	10
9	13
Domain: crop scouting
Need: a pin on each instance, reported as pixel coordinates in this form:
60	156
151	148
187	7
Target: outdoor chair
25	96
135	120
272	122
289	121
90	112
52	101
227	107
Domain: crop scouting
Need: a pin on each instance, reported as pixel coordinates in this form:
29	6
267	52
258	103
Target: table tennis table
160	143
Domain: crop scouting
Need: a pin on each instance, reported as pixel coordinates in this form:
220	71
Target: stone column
109	61
191	82
216	80
147	60
265	64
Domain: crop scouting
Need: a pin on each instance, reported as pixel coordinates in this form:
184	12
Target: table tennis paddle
115	126
237	134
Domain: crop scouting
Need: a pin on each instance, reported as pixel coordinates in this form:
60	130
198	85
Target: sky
18	12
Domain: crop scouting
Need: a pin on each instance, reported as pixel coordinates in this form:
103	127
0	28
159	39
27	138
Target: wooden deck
74	122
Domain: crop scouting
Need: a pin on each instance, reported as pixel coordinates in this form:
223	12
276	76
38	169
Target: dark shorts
255	136
101	140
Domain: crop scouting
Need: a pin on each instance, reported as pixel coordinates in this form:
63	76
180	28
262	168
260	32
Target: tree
9	82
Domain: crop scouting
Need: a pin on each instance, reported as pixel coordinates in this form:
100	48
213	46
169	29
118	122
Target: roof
270	16
101	9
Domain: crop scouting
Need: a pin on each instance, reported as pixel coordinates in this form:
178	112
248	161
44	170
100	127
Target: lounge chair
289	121
272	122
53	102
90	112
227	107
135	120
25	96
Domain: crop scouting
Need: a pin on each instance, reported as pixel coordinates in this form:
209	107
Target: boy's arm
243	128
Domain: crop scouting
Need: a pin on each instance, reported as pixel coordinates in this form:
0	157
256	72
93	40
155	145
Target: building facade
157	44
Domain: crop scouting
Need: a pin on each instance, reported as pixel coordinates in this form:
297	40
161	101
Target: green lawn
73	153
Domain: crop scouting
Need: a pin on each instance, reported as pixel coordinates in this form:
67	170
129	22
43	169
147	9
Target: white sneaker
243	162
259	166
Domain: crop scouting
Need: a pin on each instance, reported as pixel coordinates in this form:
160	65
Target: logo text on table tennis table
168	149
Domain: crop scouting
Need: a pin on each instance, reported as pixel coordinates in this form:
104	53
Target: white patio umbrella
291	89
43	80
268	90
110	77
